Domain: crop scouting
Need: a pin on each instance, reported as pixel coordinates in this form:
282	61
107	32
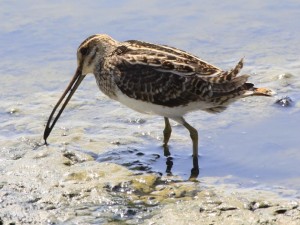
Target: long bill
70	90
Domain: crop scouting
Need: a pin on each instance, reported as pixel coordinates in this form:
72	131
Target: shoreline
63	187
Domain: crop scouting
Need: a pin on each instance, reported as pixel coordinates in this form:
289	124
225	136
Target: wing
165	58
168	76
163	88
170	59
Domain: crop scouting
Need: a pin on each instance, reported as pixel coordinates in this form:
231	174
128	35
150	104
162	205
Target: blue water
253	141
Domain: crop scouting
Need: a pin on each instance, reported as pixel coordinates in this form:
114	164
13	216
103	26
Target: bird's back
169	77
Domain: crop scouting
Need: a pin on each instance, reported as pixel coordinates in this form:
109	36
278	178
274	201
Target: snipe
156	79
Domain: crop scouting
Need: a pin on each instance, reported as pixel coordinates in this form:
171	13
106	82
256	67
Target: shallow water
254	143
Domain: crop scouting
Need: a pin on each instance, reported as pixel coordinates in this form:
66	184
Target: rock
284	102
258	205
226	207
280	211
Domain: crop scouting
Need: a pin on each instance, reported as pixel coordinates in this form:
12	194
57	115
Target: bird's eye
84	51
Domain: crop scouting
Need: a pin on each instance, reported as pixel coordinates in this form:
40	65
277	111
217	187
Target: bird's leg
167	135
194	137
167	131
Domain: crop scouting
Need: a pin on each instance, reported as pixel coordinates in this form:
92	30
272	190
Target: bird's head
92	51
90	56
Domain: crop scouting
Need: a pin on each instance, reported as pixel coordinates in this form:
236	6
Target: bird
156	79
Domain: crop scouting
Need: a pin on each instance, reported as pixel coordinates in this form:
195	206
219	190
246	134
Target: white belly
150	108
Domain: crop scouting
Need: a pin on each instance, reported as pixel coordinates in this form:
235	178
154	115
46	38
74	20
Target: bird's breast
106	84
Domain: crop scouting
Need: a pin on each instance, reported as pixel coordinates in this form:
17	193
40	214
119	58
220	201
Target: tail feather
229	85
261	91
227	76
234	84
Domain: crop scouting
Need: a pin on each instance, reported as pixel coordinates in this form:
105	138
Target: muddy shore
50	186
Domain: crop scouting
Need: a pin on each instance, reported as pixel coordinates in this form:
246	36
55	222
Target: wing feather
171	77
144	83
166	58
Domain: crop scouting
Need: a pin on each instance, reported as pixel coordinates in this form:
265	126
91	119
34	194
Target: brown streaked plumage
156	79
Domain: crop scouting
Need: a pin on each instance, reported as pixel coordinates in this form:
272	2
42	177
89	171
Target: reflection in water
148	160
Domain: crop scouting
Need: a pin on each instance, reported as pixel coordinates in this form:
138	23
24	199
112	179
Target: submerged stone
284	102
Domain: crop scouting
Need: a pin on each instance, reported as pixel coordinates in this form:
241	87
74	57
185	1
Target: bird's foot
195	169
